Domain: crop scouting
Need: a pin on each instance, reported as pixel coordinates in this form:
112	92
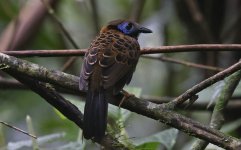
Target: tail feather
95	115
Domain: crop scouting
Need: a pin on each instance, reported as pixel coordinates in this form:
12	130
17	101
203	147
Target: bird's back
111	57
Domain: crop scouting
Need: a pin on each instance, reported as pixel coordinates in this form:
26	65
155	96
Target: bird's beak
144	30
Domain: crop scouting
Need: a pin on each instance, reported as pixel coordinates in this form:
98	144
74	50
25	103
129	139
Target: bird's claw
126	96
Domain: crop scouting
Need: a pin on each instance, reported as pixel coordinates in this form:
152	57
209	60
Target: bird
108	66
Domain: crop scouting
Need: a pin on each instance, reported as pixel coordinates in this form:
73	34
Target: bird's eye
129	26
126	27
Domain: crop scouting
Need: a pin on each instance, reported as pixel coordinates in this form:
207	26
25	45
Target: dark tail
95	115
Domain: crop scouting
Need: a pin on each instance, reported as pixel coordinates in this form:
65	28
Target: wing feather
125	58
116	55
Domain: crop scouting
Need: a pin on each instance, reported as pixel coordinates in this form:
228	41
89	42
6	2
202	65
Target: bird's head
127	27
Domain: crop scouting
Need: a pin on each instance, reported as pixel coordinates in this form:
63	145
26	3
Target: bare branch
232	106
47	53
28	20
217	118
17	129
186	63
154	111
51	13
204	84
200	21
57	21
137	8
188	126
64	106
150	50
95	17
192	48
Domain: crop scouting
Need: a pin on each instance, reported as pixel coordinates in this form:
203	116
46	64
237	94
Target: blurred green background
173	23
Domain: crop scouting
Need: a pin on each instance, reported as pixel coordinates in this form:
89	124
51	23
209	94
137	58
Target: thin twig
95	17
200	21
204	84
233	105
29	19
17	129
186	63
68	63
232	28
51	13
217	118
192	48
148	50
47	53
137	7
14	32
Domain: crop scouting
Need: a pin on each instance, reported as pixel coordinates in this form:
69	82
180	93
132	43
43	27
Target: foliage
172	24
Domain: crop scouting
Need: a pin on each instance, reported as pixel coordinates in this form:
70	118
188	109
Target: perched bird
108	65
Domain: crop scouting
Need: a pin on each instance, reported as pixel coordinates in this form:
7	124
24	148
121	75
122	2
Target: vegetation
185	91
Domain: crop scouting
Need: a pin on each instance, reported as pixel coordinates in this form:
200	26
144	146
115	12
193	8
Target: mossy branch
217	118
146	108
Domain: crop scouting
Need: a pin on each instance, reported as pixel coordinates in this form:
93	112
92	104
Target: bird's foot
126	96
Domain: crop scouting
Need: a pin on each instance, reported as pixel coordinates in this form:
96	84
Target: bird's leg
126	96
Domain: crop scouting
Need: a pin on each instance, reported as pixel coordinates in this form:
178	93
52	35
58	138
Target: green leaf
60	114
166	138
148	146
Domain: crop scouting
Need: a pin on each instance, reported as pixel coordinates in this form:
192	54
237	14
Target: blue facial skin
127	28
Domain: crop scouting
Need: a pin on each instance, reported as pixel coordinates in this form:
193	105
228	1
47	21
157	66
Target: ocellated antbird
108	65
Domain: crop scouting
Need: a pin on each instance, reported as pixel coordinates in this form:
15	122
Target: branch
56	76
10	84
200	21
151	50
18	129
95	16
65	32
186	125
202	85
137	8
192	48
154	111
47	53
233	105
29	20
48	93
217	118
6	84
57	21
43	74
186	63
